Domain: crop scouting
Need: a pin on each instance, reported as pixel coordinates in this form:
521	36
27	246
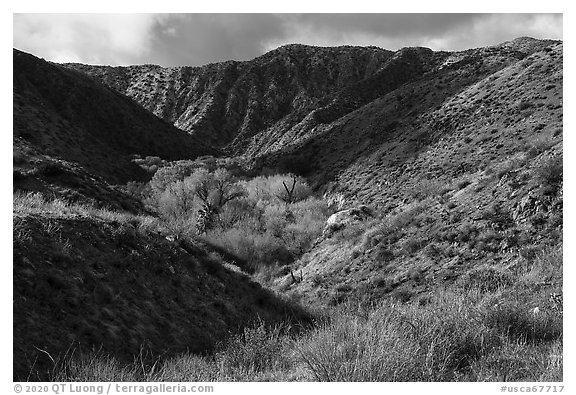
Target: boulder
343	218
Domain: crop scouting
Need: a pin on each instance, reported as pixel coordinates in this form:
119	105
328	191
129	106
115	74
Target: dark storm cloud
199	39
398	25
196	39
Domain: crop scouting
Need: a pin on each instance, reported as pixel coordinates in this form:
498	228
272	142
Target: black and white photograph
287	197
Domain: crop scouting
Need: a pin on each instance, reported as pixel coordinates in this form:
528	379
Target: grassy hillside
87	278
35	171
481	331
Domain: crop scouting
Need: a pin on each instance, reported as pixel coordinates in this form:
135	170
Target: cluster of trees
265	221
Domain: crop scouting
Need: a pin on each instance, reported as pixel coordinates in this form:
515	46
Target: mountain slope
230	102
67	115
87	278
466	188
281	107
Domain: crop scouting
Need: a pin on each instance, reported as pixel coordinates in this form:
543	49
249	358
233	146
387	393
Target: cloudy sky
196	39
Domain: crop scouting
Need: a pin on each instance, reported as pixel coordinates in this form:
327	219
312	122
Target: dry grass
467	333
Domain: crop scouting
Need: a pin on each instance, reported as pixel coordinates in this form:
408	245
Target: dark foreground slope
35	171
89	279
66	115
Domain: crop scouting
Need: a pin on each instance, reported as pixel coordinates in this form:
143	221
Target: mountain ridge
68	115
242	106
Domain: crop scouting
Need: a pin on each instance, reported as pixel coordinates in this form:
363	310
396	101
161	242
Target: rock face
341	219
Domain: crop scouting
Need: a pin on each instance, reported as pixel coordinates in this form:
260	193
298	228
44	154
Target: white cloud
87	38
436	31
195	39
497	28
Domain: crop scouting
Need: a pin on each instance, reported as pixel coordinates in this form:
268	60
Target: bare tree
289	197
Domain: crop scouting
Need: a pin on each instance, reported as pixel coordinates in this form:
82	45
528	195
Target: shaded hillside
34	171
66	115
87	278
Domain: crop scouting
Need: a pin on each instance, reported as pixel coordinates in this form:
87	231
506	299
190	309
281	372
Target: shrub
523	105
94	367
51	169
550	172
150	164
253	351
187	367
521	323
397	343
486	279
425	188
413	245
167	175
258	249
463	184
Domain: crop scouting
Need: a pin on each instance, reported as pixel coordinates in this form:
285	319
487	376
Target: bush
413	245
51	169
253	351
521	323
150	164
398	343
486	279
550	172
176	171
258	249
427	188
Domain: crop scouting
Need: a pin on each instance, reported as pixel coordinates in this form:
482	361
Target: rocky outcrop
343	218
